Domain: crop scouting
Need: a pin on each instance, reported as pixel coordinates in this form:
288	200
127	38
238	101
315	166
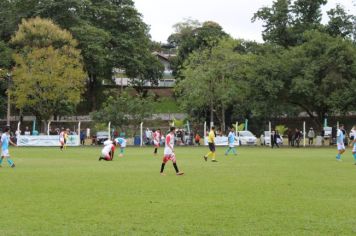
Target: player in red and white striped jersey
169	152
156	140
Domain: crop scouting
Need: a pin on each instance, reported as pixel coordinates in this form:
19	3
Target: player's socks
10	162
162	167
176	167
213	157
338	156
354	154
155	152
234	151
1	160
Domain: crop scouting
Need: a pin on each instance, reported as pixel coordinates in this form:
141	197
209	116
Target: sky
233	15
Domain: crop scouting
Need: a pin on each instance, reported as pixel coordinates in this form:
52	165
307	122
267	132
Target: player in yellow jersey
211	142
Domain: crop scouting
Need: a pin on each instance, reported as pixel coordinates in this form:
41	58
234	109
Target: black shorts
212	147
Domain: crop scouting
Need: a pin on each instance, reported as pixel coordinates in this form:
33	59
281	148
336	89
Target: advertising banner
45	140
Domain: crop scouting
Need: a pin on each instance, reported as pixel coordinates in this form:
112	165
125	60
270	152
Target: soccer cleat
101	158
205	158
180	173
13	166
214	160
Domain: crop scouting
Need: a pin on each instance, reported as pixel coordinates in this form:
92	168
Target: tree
123	109
192	35
213	80
111	34
321	75
340	23
285	22
48	71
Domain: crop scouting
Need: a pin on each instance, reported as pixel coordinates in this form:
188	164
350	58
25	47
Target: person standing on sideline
156	140
62	139
231	140
353	142
290	137
169	152
311	135
5	141
297	137
274	137
340	142
211	143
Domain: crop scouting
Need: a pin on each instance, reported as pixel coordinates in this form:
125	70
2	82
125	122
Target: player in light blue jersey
353	142
340	142
231	141
5	141
122	143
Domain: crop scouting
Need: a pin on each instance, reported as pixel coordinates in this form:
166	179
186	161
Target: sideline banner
221	141
45	140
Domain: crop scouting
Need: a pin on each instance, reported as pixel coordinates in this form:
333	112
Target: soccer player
231	140
169	152
340	142
5	141
107	153
211	142
156	140
353	142
122	143
62	139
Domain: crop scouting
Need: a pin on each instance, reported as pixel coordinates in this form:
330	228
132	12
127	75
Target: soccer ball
121	155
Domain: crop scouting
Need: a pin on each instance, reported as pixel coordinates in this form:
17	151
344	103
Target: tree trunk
91	92
223	128
211	113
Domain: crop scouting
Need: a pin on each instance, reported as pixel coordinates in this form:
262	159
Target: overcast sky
233	15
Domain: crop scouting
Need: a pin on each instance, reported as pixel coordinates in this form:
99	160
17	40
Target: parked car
101	137
266	139
247	138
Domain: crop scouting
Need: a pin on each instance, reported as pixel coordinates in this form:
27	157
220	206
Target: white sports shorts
5	153
340	146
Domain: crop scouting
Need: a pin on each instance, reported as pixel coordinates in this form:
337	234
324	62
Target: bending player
122	143
107	153
169	152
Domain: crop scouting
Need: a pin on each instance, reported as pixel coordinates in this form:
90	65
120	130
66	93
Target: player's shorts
340	146
212	147
231	145
105	154
5	153
155	143
61	141
169	157
123	145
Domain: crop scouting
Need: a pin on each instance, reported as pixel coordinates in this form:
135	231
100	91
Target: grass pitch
259	192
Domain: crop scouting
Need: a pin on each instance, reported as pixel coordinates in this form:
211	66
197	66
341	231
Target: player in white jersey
353	142
169	152
156	140
107	153
340	142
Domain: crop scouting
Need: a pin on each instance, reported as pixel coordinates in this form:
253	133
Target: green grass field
259	192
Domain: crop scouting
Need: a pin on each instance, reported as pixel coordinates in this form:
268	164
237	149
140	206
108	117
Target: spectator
274	137
197	139
297	137
290	137
311	135
82	137
27	131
